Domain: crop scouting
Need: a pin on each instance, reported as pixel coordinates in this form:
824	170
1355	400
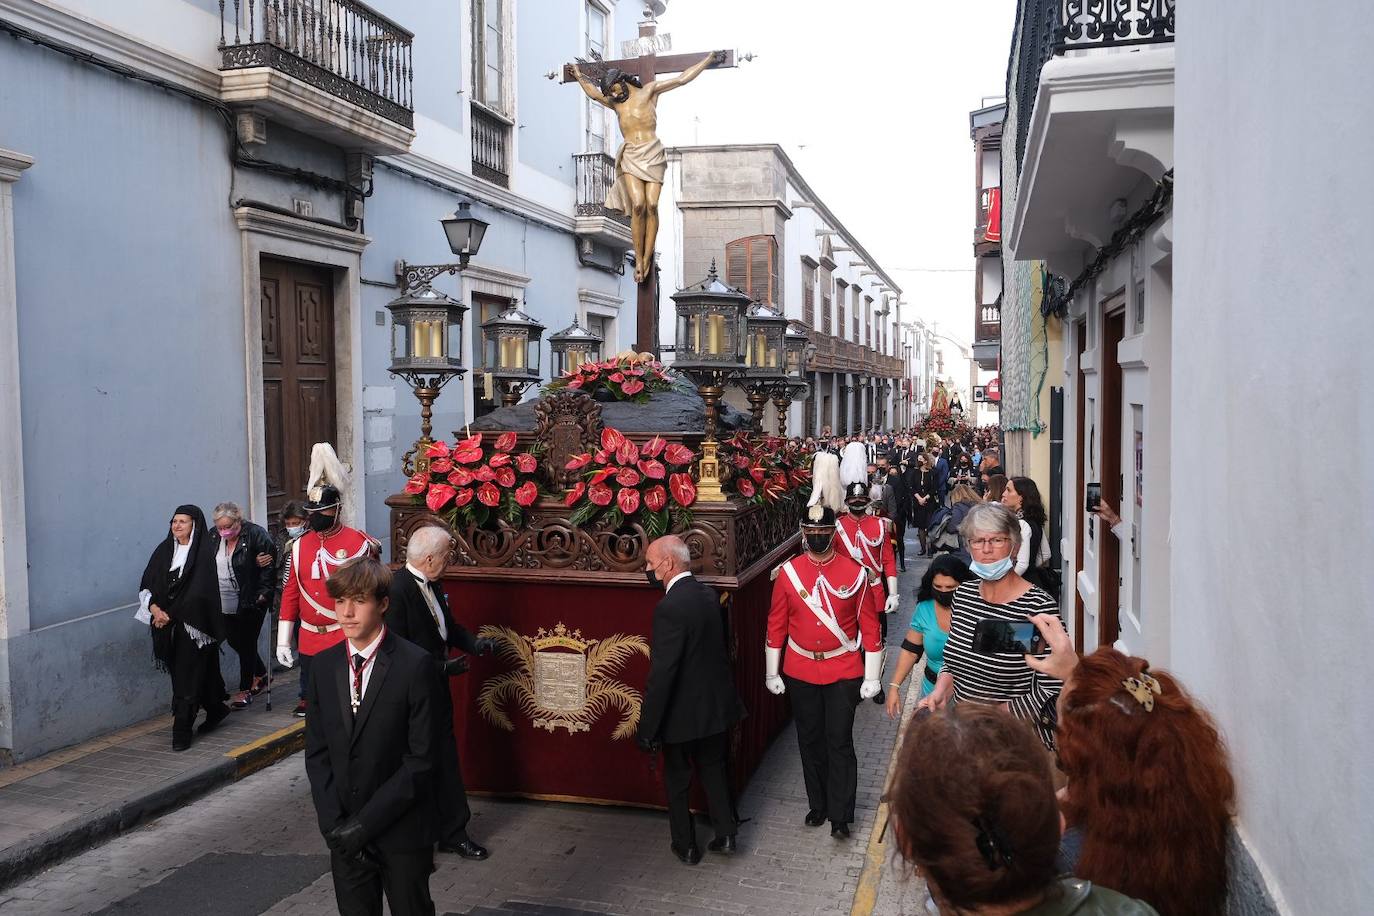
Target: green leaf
617	518
656	523
584	514
682	519
480	514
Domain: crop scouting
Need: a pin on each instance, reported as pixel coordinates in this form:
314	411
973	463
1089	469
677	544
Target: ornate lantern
511	342
764	357
573	346
798	352
712	331
426	351
464	233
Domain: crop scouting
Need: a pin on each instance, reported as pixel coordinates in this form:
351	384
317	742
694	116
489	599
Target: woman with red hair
1150	794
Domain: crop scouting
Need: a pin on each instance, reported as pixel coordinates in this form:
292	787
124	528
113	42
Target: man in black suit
419	612
369	744
690	700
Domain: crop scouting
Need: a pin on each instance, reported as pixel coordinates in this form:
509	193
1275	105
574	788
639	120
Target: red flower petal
602	456
505	477
600	494
468	455
653	448
617	377
578	461
488	495
652	469
601	475
575	383
678	454
499	460
484	473
757	474
505	442
460	477
655	497
438	496
628	500
527	493
437	450
745	487
470	442
526	463
628	453
611	439
684	490
627	477
741	461
463	496
575	493
417	484
440	466
633	386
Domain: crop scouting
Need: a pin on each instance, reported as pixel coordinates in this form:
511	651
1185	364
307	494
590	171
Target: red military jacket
303	596
869	540
843	588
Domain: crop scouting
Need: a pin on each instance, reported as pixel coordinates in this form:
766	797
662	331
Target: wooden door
1109	548
298	381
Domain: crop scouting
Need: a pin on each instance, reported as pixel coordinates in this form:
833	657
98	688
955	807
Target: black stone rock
675	411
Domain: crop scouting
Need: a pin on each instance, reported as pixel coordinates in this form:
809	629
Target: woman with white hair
993	536
245	559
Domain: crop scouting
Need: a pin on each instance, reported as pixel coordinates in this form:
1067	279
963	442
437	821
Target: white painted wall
1273	430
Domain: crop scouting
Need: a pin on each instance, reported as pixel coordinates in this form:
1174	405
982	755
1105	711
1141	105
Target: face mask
321	522
857	508
818	543
652	577
295	531
228	534
944	599
991	572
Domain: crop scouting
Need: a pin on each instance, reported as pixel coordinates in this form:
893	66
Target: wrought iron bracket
418	276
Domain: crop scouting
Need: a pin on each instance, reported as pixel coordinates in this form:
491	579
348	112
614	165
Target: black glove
484	645
456	666
347	839
647	745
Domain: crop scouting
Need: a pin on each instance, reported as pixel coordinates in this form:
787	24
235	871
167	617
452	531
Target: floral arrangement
622	481
942	423
764	470
470	484
627	377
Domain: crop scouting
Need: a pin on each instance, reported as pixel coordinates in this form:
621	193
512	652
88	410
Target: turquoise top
925	622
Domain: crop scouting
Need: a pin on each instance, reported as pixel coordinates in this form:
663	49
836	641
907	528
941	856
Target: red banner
992	202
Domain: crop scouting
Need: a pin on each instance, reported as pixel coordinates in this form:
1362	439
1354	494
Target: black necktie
359	666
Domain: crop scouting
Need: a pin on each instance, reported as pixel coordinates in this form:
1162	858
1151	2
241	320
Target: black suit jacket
691	690
408	616
379	765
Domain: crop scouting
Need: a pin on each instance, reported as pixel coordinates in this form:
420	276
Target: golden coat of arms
562	680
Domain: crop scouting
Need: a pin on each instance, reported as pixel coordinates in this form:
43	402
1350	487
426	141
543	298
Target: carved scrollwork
567	423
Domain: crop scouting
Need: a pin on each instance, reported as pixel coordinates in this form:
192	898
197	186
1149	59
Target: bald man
690	700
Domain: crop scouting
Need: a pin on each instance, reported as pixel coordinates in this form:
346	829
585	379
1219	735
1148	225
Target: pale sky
870	99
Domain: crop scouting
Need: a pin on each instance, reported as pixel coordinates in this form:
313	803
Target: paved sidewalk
58	804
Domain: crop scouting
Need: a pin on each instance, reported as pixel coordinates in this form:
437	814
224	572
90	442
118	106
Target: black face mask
944	599
652	577
858	508
321	522
818	543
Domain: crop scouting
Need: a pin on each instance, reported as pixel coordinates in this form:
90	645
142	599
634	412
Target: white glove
772	659
873	674
284	643
893	600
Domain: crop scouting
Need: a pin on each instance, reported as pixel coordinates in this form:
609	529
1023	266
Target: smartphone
1093	496
993	637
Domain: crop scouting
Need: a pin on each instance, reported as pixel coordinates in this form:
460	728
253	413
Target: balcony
1093	126
490	146
595	175
836	355
334	69
987	334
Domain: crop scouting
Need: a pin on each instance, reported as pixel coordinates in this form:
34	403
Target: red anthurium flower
468	455
484	474
678	454
628	453
575	383
488	495
505	477
617	377
757	474
438	496
602	475
578	461
655	498
463	496
527	493
633	386
499	460
505	442
460	477
684	490
635	372
441	465
470	442
741	461
627	477
575	493
652	469
437	450
745	487
416	484
611	439
628	500
778	480
653	448
600	494
526	463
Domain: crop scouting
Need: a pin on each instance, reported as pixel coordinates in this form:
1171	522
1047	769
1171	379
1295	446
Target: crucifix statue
631	87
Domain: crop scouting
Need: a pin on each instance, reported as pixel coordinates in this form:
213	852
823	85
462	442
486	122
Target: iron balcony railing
595	174
342	47
490	147
1050	27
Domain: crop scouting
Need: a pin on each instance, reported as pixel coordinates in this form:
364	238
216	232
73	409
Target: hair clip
992	844
1144	688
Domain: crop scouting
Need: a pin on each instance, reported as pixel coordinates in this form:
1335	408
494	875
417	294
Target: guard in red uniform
868	539
315	555
825	609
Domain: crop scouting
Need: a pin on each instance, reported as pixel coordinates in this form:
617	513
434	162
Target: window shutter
751	265
809	296
737	264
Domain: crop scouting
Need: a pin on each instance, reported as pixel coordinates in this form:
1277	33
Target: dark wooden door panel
273	438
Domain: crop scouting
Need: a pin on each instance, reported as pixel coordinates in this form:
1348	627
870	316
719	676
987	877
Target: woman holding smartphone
929	628
993	536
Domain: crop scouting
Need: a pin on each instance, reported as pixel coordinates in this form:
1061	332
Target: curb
80	833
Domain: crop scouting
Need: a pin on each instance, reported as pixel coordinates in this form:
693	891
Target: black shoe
690	856
839	831
213	717
723	844
300	709
181	742
815	818
467	849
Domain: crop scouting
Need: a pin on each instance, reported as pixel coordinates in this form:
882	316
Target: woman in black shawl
187	625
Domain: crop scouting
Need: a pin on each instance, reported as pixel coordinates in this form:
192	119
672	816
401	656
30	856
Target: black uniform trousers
452	798
709	755
404	878
824	714
196	680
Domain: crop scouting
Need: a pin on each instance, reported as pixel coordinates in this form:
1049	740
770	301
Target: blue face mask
295	531
991	572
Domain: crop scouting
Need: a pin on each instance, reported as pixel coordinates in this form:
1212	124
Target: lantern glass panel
532	356
455	340
715	335
489	346
511	353
400	341
428	336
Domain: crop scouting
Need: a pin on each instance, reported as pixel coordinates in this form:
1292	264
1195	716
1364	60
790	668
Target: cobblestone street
254	847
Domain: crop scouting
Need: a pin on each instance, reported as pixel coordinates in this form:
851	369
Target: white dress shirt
673	581
368	665
430	600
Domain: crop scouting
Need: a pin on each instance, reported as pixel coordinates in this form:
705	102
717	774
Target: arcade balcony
595	175
333	69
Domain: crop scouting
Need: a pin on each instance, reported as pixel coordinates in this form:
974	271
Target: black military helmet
324	497
856	493
818	516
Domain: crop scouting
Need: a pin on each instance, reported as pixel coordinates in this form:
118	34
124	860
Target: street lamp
798	352
573	346
765	356
511	343
426	351
464	232
712	332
